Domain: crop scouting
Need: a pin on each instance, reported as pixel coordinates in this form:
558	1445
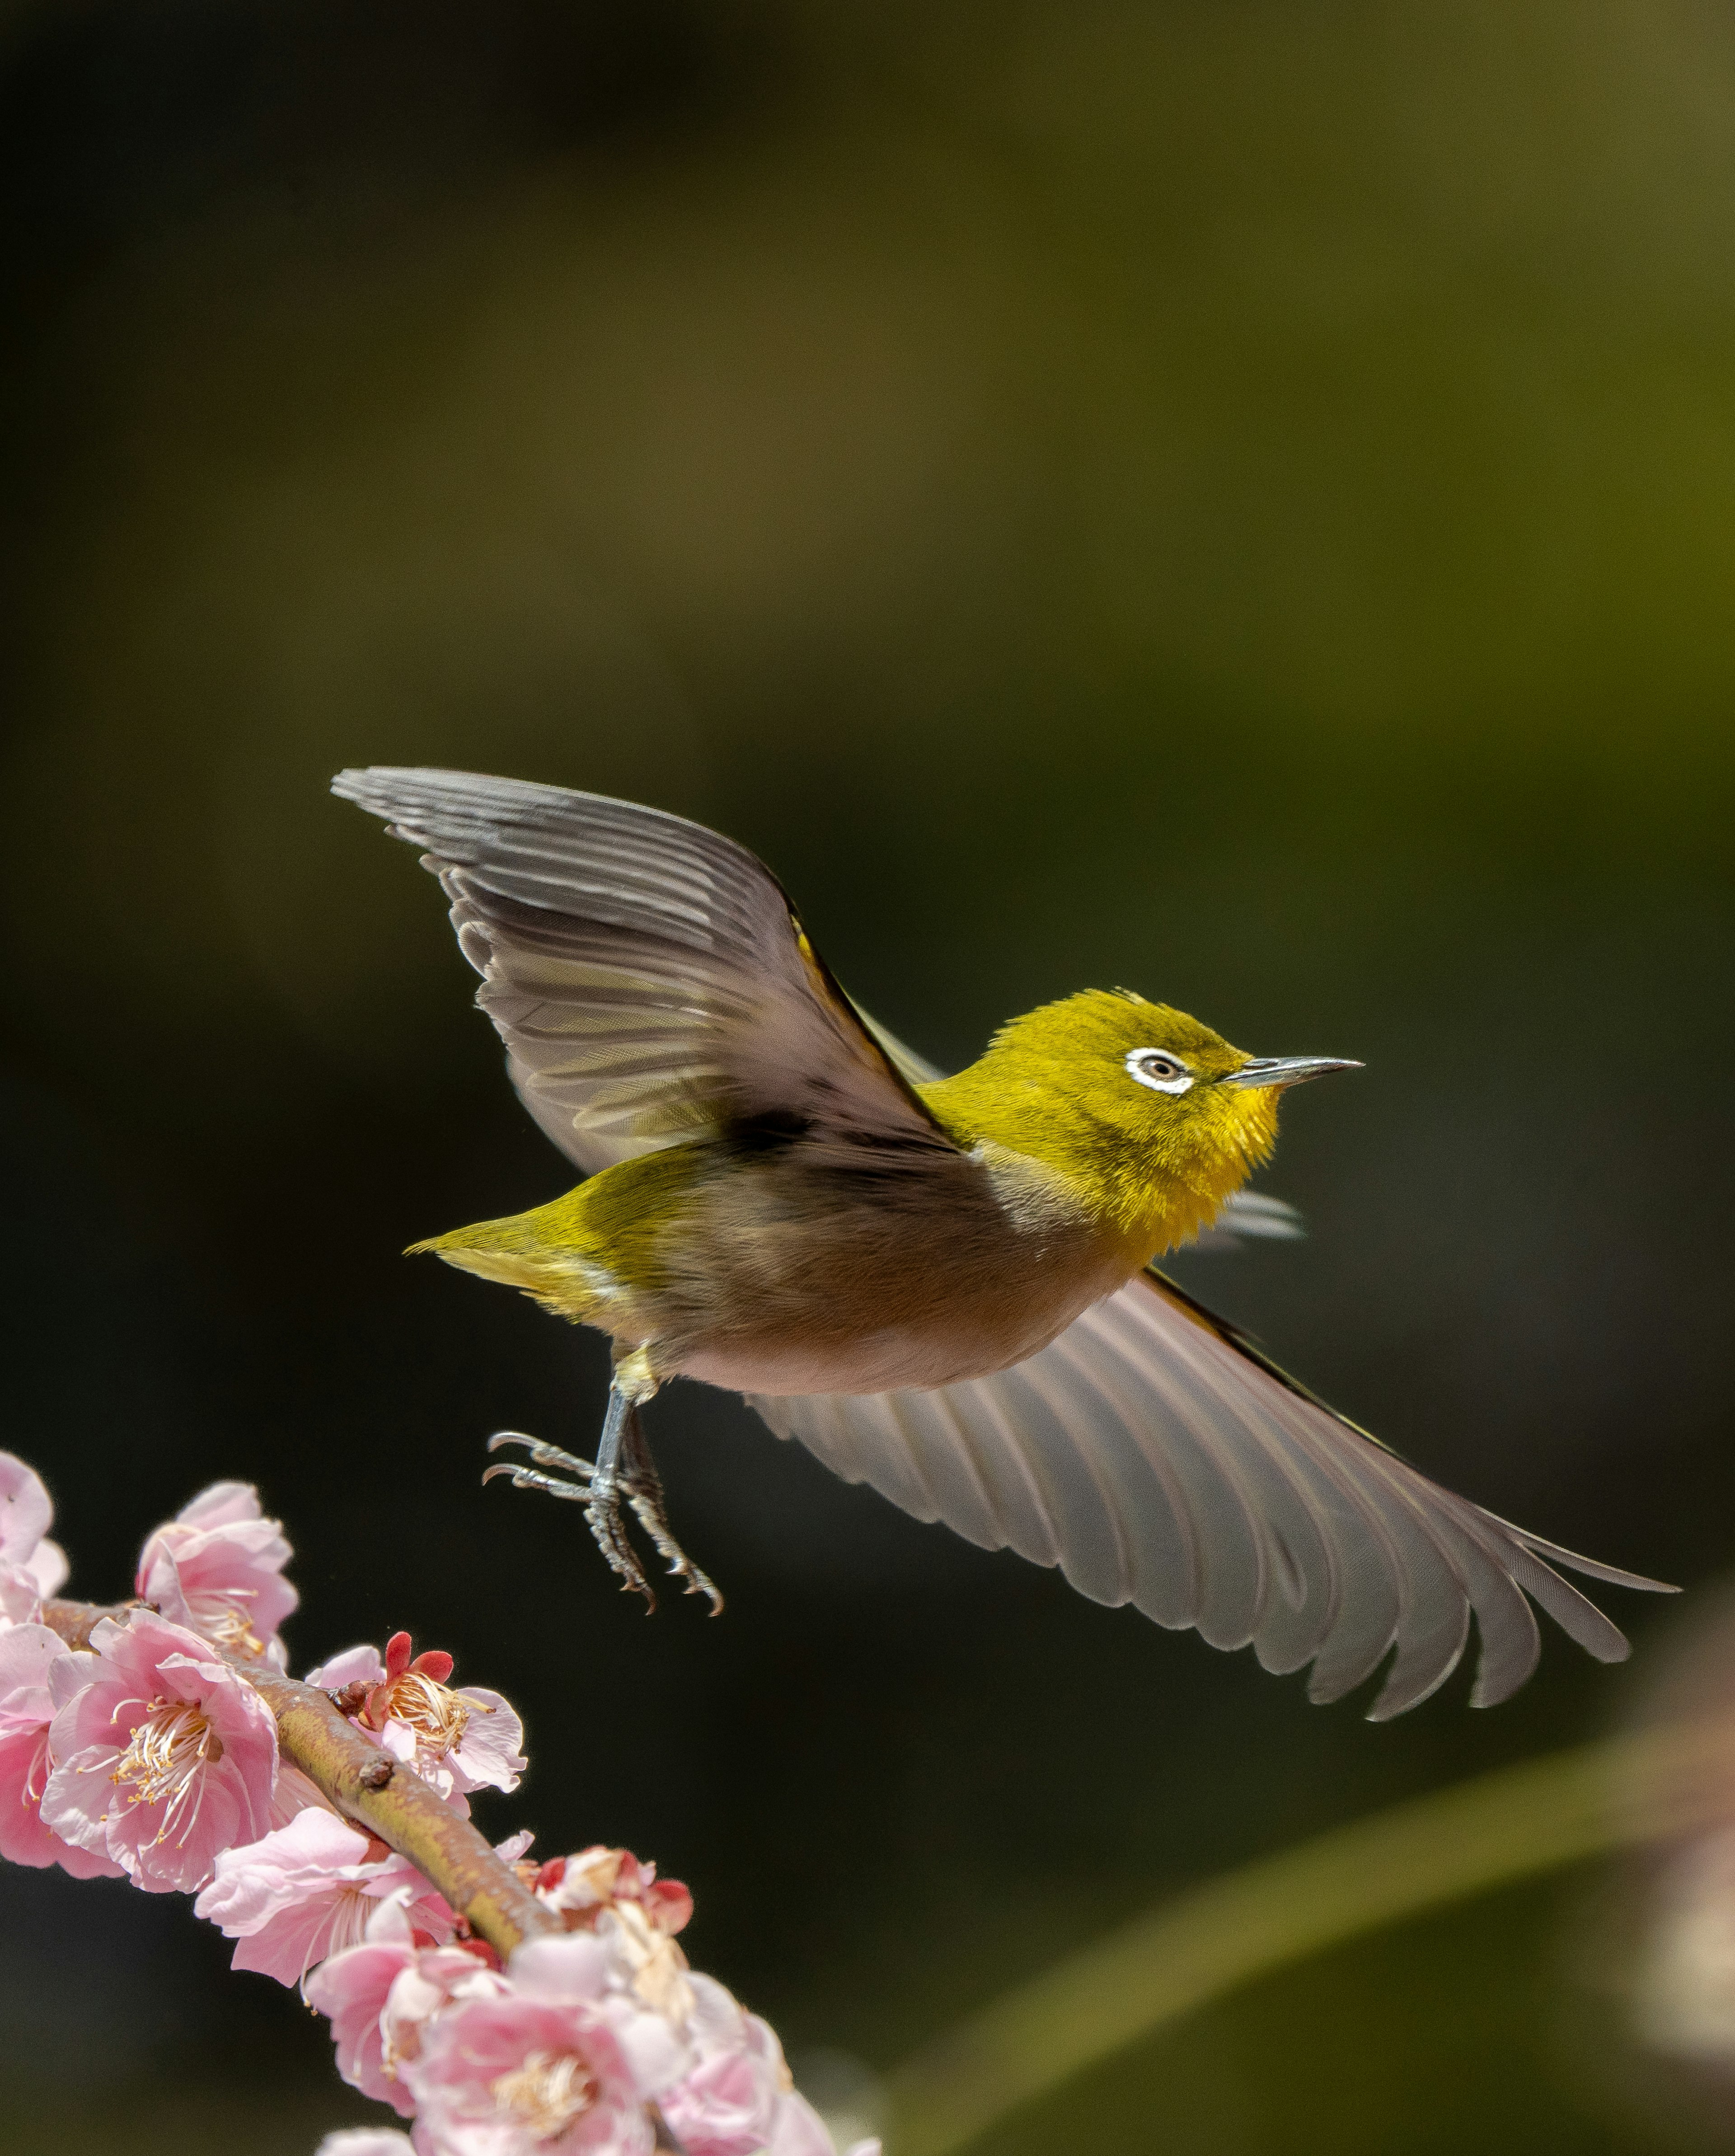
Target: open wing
648	978
1157	1457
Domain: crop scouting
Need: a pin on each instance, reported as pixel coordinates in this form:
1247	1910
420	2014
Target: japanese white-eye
943	1286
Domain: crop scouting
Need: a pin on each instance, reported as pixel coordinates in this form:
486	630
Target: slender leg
602	1508
598	1489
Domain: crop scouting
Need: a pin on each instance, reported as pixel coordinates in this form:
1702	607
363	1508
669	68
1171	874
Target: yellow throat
1150	1166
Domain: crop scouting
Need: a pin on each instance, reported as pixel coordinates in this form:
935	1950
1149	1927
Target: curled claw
541	1453
642	1486
599	1486
603	1514
527	1478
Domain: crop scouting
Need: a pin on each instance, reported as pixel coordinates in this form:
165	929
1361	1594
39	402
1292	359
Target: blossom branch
504	2007
367	1785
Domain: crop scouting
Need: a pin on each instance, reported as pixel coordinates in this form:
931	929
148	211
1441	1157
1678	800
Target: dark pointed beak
1280	1070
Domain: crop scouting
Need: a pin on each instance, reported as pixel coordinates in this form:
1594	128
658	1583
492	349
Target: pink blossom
366	2141
737	2097
217	1568
379	1995
560	2063
31	1567
350	1990
28	1657
608	1891
599	1878
306	1891
163	1757
456	1740
426	1986
727	2104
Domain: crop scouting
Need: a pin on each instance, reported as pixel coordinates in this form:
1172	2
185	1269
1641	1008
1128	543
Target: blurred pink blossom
560	2063
217	1568
379	1995
599	1878
366	2141
31	1567
608	1891
163	1757
306	1891
456	1740
28	1655
726	2103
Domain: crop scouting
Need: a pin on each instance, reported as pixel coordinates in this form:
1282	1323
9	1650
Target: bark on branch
368	1785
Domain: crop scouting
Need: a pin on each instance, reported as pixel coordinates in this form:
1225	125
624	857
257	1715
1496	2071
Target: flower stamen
224	1624
433	1711
546	2093
166	1759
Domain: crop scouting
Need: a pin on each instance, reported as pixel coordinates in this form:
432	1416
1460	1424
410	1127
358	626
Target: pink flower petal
47	1565
163	1757
380	1995
351	1989
223	1505
400	1740
575	1967
517	2077
487	1755
26	1510
28	1654
354	1665
25	1767
306	1891
217	1568
726	2102
20	1596
31	1663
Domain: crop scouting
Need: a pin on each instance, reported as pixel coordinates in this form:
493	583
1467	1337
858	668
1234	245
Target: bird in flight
943	1286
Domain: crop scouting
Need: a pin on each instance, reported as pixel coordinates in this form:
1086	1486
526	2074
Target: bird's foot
599	1490
602	1511
643	1488
544	1456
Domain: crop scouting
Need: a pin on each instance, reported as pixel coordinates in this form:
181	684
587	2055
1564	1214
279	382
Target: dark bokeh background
1233	498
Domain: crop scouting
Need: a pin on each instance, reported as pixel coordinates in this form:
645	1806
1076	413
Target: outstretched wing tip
1588	1567
1164	1461
364	783
646	973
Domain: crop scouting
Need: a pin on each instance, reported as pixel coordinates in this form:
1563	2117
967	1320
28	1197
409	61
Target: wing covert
1155	1456
648	978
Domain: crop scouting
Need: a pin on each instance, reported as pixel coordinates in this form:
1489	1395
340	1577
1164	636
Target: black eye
1160	1066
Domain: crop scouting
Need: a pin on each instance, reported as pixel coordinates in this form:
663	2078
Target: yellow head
1151	1118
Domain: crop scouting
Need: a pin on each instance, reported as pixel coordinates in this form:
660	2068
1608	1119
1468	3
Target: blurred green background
1233	498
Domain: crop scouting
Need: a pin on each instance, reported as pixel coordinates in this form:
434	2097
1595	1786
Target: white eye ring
1157	1069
